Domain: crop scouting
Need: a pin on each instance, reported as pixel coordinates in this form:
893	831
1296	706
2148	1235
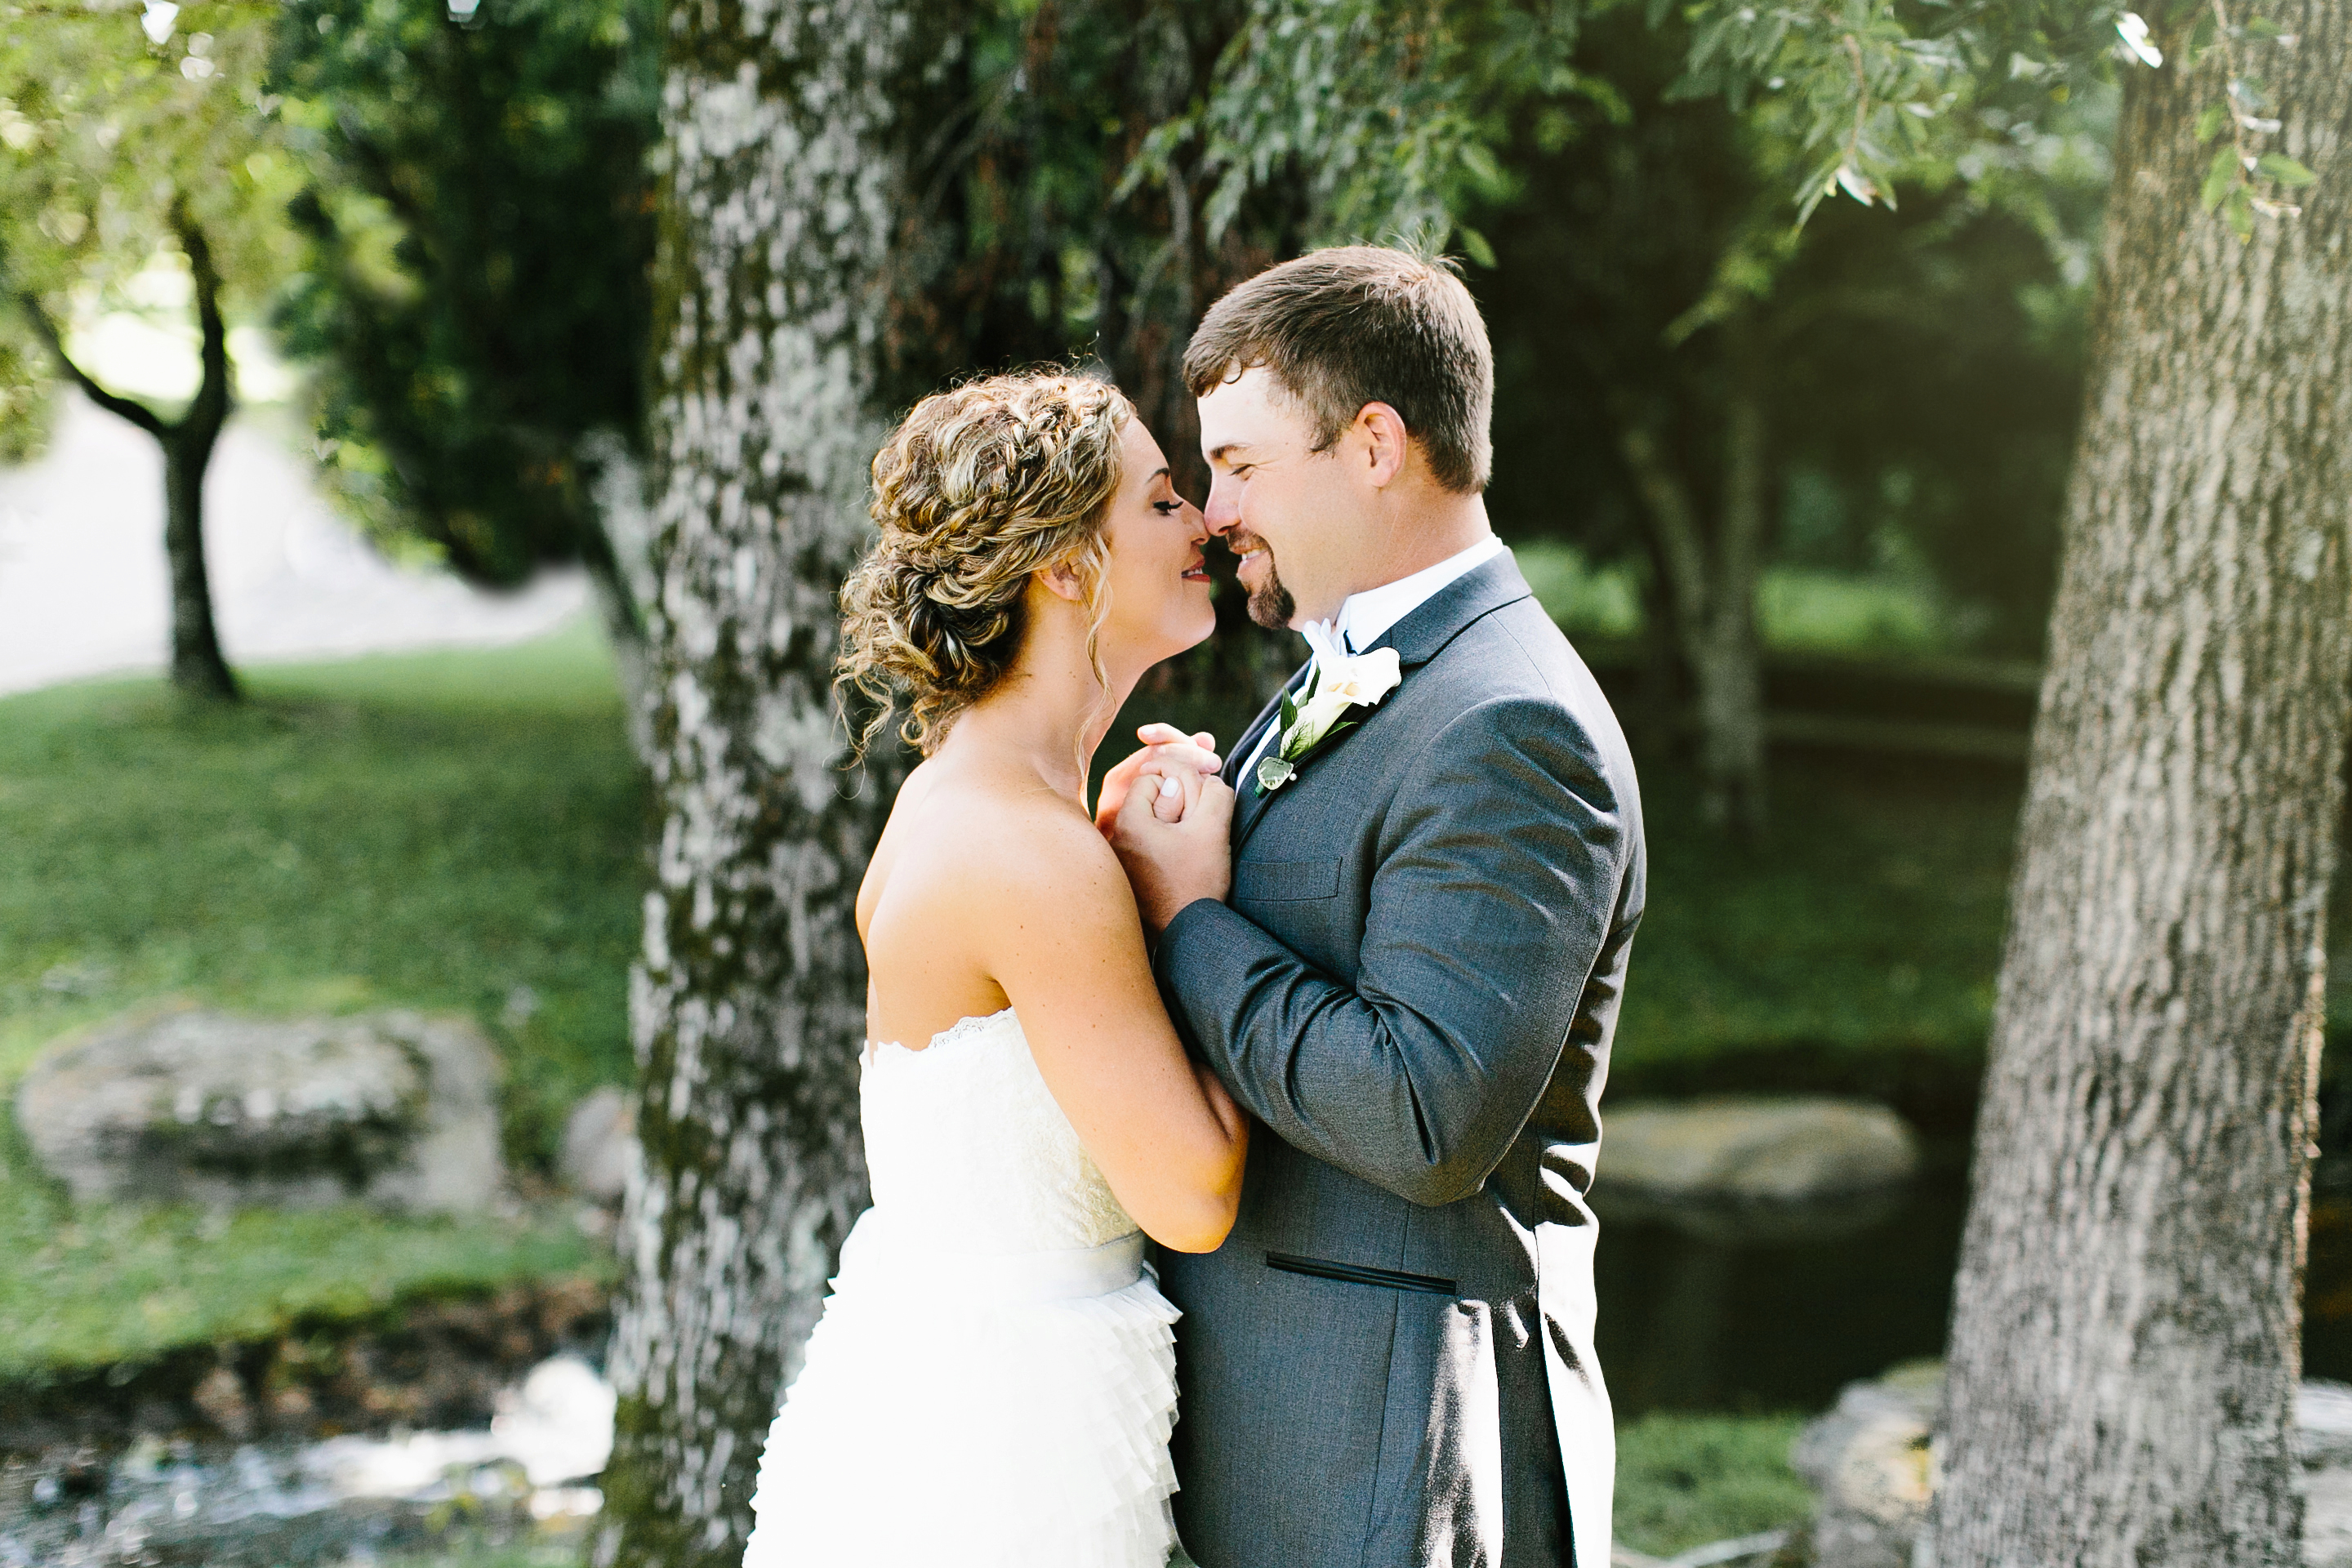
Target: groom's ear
1384	447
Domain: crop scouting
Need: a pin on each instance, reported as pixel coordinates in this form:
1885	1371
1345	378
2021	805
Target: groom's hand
1168	756
1173	863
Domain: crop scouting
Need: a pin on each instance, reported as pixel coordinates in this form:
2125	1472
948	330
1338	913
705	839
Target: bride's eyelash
1167	508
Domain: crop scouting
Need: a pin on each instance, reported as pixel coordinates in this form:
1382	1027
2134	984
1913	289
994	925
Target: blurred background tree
1887	395
27	402
134	143
476	213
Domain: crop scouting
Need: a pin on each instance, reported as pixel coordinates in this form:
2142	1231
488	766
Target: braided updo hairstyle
981	486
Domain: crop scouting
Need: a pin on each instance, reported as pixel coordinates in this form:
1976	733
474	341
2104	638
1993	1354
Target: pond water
1776	1313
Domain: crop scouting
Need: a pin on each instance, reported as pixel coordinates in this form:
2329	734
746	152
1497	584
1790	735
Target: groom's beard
1270	604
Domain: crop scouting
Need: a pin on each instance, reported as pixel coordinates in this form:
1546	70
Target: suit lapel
1232	772
1418	639
1251	800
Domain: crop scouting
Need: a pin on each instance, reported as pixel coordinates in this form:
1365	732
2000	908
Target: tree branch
210	409
138	414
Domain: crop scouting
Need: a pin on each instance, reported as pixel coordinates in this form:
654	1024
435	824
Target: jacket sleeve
1501	864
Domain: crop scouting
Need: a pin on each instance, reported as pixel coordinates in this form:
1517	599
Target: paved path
82	585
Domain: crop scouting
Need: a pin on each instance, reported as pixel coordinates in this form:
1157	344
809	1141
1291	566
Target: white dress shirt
1365	618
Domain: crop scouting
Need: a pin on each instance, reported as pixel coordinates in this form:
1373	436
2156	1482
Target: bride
994	1378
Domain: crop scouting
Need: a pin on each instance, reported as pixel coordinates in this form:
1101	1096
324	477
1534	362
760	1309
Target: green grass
1867	920
1852	613
1797	610
439	830
1686	1480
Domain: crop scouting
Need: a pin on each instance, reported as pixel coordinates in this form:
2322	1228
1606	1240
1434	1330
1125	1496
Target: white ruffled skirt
994	1411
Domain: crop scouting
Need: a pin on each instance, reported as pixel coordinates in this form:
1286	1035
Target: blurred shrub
478	218
1830	612
1603	600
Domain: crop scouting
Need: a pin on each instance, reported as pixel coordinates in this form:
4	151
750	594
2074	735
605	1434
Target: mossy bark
787	124
2124	1344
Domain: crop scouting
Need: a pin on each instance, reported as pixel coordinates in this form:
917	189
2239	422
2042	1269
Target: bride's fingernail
1169	787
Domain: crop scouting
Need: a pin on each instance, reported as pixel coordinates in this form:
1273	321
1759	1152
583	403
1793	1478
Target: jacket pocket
1274	881
1361	1274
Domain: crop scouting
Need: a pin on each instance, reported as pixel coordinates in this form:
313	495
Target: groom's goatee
1272	605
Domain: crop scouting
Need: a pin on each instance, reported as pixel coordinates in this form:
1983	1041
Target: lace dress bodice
966	1148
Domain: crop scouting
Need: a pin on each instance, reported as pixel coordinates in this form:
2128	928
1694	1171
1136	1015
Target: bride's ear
1061	579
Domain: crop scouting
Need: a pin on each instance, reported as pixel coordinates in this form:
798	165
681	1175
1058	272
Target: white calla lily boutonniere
1334	699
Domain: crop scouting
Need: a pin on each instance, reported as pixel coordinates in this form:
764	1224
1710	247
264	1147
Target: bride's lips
1198	572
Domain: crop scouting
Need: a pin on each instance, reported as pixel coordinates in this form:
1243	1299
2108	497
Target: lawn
451	831
1688	1480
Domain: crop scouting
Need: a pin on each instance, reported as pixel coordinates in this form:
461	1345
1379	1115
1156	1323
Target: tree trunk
616	548
197	667
1710	588
785	121
1729	668
2124	1352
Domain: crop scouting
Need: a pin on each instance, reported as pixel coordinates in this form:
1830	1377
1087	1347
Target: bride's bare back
990	889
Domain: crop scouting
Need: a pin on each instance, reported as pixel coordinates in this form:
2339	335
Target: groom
1414	978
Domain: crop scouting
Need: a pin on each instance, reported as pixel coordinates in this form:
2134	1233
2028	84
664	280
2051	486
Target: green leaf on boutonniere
1273	773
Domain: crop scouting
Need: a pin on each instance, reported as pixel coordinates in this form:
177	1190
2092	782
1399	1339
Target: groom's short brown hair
1358	324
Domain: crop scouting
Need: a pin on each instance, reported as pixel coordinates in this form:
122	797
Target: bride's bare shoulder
983	837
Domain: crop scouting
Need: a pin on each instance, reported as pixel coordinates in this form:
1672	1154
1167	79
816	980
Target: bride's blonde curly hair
981	486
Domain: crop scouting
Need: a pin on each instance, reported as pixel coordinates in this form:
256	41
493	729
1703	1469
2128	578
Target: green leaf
1474	244
2221	176
2209	123
2238	212
2285	170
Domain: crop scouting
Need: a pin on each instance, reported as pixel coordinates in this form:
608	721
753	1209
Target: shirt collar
1365	618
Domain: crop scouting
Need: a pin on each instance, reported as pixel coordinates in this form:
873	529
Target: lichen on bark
785	123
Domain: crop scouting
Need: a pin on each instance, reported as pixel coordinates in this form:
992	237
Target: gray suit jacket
1389	1363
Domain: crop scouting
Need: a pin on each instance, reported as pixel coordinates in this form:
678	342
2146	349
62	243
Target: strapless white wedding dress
994	1380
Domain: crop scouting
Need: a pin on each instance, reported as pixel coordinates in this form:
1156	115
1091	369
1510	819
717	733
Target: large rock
2323	1440
1755	1151
1869	1463
186	1105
